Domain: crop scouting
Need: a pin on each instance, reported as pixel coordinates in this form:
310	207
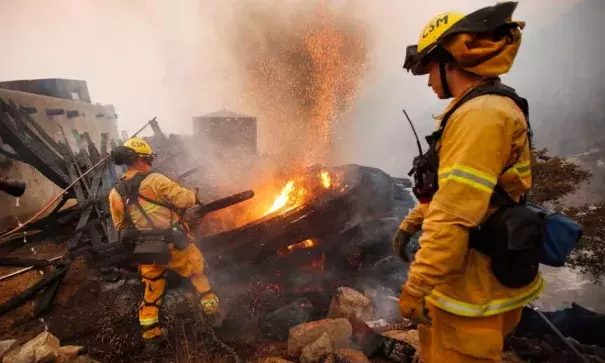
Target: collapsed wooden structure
332	218
85	174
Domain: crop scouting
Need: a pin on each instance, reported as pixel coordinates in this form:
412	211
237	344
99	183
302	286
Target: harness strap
202	294
153	303
129	192
150	326
444	83
495	87
161	276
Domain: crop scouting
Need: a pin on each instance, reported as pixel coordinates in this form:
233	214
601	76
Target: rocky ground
96	320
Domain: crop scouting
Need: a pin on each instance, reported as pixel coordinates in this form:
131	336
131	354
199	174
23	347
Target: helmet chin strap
444	84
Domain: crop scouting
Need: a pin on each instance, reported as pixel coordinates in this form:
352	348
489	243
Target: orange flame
294	193
326	181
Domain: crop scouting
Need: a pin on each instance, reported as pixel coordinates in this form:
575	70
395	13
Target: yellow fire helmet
139	146
443	26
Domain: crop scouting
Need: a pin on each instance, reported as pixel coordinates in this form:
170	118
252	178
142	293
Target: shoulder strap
492	87
129	191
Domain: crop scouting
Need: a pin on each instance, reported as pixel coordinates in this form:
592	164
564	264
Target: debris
511	357
338	330
277	324
350	303
313	352
408	336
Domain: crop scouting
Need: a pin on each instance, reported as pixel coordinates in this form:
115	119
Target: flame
282	198
326	181
295	192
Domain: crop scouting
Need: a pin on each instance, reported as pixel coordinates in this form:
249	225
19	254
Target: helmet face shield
415	62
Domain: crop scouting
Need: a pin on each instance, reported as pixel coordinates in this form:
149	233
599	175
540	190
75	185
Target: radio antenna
415	134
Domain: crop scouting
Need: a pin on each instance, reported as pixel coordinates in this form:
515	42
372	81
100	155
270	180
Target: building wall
69	89
94	119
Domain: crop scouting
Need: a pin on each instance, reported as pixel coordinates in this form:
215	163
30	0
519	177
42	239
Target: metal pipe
25	269
558	333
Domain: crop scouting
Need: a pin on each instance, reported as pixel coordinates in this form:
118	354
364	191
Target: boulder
45	354
350	303
315	351
7	345
43	348
348	356
339	331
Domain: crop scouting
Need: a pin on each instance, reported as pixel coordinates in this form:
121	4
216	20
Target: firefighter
482	143
157	205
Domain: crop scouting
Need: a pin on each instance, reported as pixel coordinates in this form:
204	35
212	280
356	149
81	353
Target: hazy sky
168	58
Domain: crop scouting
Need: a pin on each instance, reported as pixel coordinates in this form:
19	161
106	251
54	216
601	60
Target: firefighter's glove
400	242
412	306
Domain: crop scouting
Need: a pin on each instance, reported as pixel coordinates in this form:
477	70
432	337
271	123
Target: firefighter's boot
211	309
152	345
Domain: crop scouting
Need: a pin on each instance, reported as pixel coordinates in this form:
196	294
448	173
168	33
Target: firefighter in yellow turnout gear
159	201
464	311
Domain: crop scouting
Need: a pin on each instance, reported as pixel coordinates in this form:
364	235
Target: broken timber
86	175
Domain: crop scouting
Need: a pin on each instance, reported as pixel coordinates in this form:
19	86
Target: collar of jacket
453	102
130	173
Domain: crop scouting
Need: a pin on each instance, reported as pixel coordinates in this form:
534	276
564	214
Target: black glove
400	241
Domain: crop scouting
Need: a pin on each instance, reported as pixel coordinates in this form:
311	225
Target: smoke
302	65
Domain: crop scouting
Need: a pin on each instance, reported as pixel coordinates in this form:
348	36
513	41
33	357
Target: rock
350	303
68	352
42	347
408	336
347	356
277	324
276	360
315	351
7	345
45	354
338	330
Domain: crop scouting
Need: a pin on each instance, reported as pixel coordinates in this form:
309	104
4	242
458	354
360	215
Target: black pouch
128	238
178	237
512	237
151	252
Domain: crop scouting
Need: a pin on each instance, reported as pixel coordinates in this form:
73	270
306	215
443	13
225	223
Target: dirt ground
102	317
